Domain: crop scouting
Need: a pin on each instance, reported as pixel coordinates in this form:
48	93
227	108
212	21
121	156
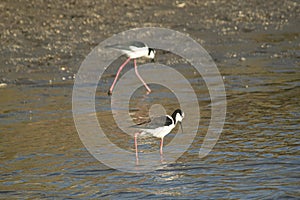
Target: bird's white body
159	132
136	52
135	49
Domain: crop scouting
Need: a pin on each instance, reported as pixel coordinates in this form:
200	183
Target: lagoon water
256	156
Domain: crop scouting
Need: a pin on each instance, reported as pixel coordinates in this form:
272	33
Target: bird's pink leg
138	75
120	69
136	147
161	146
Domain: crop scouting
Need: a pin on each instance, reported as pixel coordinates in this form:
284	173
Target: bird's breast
159	132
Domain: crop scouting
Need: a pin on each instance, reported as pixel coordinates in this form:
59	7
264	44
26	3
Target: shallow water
257	155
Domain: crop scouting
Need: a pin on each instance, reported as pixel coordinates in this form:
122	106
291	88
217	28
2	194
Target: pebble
181	5
3	85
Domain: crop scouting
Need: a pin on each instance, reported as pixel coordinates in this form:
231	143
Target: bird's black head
178	115
151	53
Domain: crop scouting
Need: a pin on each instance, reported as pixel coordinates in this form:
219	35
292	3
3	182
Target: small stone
3	85
180	5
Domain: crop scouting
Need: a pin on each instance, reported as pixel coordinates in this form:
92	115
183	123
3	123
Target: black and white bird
158	127
133	50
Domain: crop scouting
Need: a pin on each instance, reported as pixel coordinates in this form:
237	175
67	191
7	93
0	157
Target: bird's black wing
141	124
137	44
155	123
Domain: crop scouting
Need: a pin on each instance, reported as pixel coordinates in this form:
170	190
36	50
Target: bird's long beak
181	126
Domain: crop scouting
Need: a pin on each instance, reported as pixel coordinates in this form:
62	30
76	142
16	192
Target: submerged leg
120	69
136	147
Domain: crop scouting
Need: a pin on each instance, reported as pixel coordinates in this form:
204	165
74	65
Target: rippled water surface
257	155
